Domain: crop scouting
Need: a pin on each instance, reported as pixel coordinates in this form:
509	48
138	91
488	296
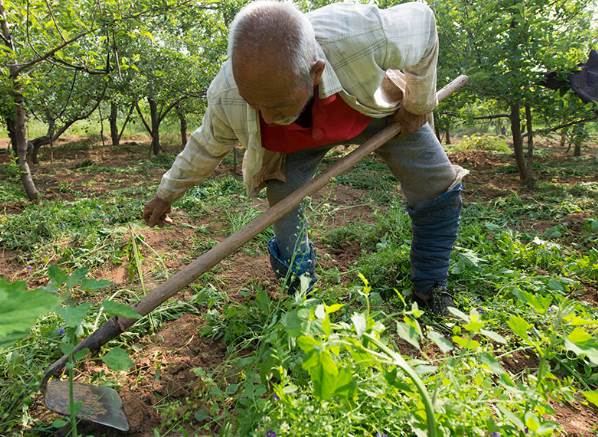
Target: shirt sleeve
204	150
412	46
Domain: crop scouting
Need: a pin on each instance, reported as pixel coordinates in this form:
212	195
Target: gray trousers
417	161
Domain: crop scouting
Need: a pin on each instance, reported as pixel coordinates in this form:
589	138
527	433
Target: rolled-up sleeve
412	46
204	150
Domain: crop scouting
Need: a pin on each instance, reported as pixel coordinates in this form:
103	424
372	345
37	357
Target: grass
522	270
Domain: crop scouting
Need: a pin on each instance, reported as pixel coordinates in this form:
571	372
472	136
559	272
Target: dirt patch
346	204
520	361
10	268
241	269
163	369
342	258
577	421
589	295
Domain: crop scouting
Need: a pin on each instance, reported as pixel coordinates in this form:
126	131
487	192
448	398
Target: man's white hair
274	25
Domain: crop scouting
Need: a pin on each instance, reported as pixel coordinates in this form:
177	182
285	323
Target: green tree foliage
506	46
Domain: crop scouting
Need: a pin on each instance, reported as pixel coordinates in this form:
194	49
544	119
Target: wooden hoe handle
209	259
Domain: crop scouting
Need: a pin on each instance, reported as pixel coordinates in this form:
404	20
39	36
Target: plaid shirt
359	43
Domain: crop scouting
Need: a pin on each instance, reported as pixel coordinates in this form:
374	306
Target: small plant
489	143
20	309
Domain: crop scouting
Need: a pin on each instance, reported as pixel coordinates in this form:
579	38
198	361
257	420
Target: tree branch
562	126
81	67
54	20
480	117
127	119
149	129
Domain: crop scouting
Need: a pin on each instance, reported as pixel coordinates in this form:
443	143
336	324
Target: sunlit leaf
117	359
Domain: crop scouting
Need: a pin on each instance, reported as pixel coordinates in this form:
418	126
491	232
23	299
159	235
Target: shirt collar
329	83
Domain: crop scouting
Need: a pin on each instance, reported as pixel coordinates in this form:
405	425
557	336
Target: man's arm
412	46
204	150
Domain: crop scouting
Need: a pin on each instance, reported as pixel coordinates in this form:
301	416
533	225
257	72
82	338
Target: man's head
272	48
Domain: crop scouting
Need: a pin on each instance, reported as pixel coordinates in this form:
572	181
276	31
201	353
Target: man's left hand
409	122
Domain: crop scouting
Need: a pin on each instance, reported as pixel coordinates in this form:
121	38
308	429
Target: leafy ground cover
232	355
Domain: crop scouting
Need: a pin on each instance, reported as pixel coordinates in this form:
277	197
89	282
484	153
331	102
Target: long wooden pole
231	244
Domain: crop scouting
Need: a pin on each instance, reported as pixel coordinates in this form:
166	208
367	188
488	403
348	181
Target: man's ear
317	68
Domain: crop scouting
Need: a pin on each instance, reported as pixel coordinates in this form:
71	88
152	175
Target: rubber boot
302	265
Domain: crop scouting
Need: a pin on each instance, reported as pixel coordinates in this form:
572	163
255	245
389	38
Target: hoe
103	405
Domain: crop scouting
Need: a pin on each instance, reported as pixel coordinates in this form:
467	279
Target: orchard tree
60	101
506	46
72	34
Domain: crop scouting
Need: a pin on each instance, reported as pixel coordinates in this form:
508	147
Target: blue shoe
302	265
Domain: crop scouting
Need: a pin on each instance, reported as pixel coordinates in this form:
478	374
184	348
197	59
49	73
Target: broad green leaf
66	348
231	389
74	316
409	334
117	359
324	376
58	276
591	396
59	423
293	323
262	301
439	340
579	336
556	285
307	343
583	343
76	278
457	313
93	284
531	422
489	360
329	365
201	415
519	326
20	308
466	343
121	310
475	322
326	325
333	308
494	336
79	355
345	384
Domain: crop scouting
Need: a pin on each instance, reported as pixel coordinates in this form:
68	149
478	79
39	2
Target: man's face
277	101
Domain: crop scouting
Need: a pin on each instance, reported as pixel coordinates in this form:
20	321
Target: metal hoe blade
98	404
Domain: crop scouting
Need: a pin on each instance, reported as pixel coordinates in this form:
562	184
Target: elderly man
295	85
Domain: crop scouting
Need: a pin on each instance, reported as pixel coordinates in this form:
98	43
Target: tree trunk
530	179
577	149
16	121
437	132
114	136
20	130
183	122
524	170
41	141
563	138
448	133
155	126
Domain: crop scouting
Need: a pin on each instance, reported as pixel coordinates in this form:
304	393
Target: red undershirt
332	121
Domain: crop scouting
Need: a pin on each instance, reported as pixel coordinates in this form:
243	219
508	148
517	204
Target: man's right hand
155	212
